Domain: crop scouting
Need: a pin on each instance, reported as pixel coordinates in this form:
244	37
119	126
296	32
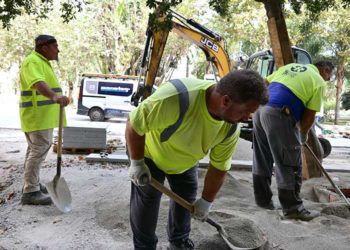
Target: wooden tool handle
60	125
161	188
59	142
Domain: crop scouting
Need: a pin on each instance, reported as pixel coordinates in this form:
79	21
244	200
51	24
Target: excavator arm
208	41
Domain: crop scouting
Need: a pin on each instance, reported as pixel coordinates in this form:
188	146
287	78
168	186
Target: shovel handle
59	142
161	188
327	175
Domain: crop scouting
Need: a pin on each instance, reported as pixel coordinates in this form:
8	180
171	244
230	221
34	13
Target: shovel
319	165
179	200
58	188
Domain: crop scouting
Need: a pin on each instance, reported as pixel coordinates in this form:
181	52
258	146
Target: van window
91	87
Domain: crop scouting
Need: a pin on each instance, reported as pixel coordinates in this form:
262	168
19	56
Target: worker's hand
303	138
60	99
201	209
139	172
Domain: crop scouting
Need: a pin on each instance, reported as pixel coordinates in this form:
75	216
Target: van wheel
96	114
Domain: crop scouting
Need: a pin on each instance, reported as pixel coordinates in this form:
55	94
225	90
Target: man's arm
134	142
212	183
44	89
138	170
307	120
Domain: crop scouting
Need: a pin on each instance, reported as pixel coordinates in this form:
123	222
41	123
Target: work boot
301	214
289	199
35	198
43	189
185	244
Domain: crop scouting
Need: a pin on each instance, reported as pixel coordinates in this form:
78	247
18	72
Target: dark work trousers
276	141
145	202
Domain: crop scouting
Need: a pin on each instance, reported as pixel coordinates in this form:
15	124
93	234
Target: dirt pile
100	215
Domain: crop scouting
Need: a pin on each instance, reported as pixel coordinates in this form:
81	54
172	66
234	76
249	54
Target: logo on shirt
298	68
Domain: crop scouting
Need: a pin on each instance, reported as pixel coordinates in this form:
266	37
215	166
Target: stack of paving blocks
84	138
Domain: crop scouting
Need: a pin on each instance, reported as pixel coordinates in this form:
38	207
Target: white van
106	96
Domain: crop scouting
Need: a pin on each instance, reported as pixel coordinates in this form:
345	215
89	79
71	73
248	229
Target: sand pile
100	215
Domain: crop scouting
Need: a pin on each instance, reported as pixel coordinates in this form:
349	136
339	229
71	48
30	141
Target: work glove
303	138
139	172
201	209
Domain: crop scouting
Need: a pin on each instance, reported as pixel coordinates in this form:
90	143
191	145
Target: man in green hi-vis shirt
179	124
280	128
40	100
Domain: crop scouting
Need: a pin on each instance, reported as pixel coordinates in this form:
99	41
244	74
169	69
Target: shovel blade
60	194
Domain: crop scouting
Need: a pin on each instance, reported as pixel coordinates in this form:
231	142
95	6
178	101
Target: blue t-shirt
280	95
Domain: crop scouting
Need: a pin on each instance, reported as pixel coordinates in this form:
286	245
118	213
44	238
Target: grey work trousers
276	141
39	143
145	202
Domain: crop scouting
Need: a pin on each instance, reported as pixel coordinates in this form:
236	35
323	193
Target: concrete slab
84	137
121	157
111	158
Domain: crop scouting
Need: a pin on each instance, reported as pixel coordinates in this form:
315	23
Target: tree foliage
9	10
314	8
106	37
161	9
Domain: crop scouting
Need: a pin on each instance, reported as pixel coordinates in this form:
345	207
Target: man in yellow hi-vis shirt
280	128
168	134
41	96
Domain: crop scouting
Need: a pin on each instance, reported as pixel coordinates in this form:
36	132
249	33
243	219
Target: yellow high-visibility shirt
198	134
37	112
304	81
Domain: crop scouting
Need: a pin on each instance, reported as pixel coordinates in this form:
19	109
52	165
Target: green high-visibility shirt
304	81
37	112
198	134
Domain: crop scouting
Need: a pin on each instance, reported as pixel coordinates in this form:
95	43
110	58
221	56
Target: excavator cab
264	63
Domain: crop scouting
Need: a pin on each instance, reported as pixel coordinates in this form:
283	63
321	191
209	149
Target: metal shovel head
60	194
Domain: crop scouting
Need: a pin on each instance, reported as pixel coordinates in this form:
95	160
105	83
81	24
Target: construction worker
169	133
280	128
41	96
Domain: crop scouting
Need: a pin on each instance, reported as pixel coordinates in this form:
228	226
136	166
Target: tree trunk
276	24
310	169
339	88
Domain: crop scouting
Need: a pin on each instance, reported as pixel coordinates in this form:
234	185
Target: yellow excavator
214	48
212	45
